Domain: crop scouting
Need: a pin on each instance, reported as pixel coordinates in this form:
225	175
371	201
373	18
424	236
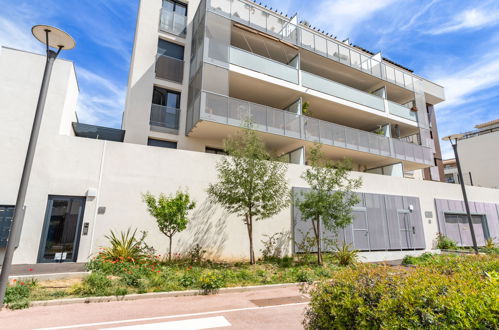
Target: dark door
6	214
61	230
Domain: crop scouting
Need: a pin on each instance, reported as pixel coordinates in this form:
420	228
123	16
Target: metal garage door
458	229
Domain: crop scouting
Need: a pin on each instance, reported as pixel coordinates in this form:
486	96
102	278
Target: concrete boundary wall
121	172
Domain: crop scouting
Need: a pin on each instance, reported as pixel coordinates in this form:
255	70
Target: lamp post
59	40
453	140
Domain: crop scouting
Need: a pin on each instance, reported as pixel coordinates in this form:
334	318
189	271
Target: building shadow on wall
206	230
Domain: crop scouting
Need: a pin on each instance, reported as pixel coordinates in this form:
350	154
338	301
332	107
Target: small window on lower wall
162	143
215	151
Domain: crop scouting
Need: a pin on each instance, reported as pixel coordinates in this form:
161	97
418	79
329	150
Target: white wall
480	156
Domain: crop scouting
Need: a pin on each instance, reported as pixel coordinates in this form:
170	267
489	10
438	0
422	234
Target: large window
215	151
166	98
174	6
170	49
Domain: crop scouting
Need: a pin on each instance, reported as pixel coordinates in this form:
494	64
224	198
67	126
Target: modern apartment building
200	69
478	161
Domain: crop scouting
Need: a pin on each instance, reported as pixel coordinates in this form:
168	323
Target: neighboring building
199	69
450	171
479	155
86	181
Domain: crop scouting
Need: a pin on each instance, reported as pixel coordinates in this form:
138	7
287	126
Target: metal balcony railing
163	116
289	73
169	68
173	23
249	14
227	110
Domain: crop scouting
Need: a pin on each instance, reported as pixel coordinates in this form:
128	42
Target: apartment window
215	151
170	49
174	6
162	143
166	97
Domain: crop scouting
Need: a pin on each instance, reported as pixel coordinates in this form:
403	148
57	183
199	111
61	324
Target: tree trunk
170	250
316	224
249	225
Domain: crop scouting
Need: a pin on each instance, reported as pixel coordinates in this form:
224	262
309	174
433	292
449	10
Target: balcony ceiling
210	131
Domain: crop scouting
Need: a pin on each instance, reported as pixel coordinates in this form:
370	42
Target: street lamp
59	40
453	140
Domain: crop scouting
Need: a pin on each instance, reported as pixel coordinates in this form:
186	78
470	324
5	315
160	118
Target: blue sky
452	42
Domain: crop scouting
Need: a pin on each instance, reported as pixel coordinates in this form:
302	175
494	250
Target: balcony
264	20
289	73
263	65
166	117
169	68
226	110
173	23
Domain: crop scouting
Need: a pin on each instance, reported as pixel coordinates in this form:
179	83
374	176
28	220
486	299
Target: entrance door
61	230
407	230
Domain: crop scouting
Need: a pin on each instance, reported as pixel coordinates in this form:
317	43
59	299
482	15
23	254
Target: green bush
425	297
345	256
445	243
304	276
410	260
95	284
210	281
18	295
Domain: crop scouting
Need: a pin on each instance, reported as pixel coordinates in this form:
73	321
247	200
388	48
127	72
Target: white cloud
16	30
342	16
102	101
469	19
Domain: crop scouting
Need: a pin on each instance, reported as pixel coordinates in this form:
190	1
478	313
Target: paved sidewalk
276	308
41	269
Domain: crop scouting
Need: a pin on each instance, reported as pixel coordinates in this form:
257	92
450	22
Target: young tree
330	198
170	213
250	183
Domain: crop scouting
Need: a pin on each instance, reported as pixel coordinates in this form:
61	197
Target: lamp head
453	138
53	37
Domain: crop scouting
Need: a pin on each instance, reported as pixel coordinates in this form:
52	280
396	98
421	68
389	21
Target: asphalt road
276	308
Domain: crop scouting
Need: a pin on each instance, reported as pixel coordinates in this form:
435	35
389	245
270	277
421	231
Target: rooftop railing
227	110
163	116
263	20
173	23
471	134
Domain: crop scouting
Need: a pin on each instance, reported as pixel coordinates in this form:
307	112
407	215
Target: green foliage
18	295
425	297
345	256
170	213
445	243
305	109
95	284
210	282
304	275
196	254
422	259
126	245
273	245
331	198
250	183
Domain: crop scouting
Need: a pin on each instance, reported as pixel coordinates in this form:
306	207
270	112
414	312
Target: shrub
210	282
95	284
187	280
303	276
445	243
374	297
410	260
345	256
196	254
127	246
18	295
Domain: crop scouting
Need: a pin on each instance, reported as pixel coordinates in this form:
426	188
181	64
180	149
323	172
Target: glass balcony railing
169	68
342	91
227	110
263	65
401	111
163	116
173	23
265	21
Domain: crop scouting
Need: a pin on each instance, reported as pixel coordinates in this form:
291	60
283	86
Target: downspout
94	221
